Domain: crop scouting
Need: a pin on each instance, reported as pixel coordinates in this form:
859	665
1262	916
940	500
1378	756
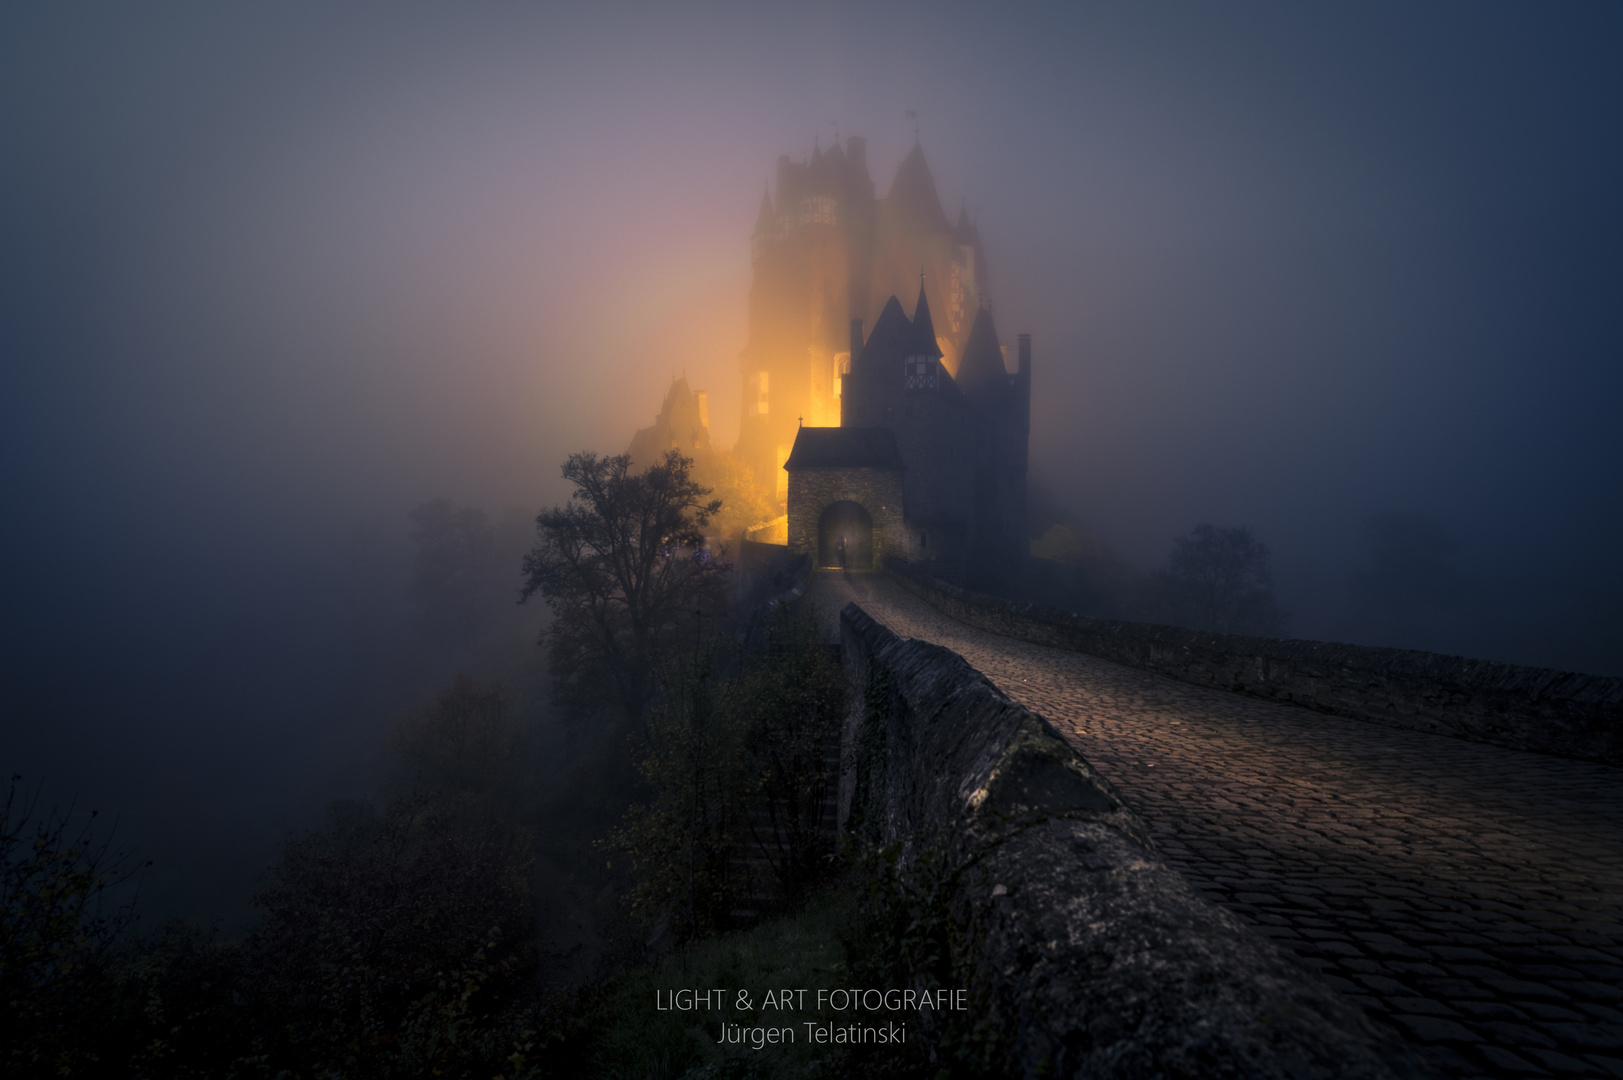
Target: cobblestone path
1467	895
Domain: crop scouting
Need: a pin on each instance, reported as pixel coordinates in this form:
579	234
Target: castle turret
924	342
914	195
964	232
981	375
923	358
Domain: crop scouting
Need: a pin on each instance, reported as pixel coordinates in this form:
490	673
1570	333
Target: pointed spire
764	219
981	371
924	343
890	341
965	231
817	152
914	196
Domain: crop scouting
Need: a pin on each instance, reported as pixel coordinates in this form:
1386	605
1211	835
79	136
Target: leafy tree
465	746
743	503
793	696
742	764
455	573
1219	580
682	842
389	945
624	568
1073	569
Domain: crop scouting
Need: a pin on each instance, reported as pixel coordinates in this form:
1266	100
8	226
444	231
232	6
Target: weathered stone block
1097	957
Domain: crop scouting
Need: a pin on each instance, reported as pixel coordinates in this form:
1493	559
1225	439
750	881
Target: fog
271	278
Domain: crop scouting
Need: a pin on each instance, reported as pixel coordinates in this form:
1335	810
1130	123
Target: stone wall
1096	958
878	491
1523	708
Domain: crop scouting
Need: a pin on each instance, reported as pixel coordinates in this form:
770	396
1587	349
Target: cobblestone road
1467	895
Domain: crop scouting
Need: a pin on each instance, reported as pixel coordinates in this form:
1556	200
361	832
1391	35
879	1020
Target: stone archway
845	528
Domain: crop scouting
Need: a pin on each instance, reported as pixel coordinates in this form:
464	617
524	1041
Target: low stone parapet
1522	708
1094	956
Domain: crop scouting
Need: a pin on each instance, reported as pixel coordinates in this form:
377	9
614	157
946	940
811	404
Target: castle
923	464
910	441
825	251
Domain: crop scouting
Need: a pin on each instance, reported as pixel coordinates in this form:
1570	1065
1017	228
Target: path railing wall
1523	708
1096	955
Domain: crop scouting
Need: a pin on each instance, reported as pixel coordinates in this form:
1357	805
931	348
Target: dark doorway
845	537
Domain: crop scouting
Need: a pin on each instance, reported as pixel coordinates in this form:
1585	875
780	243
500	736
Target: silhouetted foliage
623	566
455	572
681	843
908	926
793	695
466	745
743	503
1075	570
1219	579
62	906
387	938
742	767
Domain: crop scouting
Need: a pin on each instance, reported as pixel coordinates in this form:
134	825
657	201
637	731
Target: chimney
856	340
1025	355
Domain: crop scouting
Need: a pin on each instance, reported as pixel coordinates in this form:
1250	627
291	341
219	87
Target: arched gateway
845	490
845	536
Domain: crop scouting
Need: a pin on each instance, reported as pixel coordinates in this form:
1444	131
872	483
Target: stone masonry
1468	896
876	491
1095	958
1524	708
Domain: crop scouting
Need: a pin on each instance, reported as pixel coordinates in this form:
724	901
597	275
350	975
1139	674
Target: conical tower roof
914	195
981	370
966	232
923	341
890	341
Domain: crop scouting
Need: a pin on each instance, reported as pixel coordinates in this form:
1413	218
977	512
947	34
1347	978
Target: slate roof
913	193
845	448
891	340
982	368
924	343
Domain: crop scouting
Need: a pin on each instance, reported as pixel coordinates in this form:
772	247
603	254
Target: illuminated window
921	373
755	394
817	210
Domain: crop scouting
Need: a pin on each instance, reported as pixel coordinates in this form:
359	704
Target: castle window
817	210
921	373
756	389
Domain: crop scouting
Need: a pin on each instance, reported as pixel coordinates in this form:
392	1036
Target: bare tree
1219	579
623	566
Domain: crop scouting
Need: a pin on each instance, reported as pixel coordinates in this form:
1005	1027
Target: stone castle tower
826	251
923	465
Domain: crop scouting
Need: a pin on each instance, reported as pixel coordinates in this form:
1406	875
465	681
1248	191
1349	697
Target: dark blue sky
270	274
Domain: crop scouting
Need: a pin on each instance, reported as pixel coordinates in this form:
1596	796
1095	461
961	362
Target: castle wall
828	251
1523	708
811	491
1062	905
